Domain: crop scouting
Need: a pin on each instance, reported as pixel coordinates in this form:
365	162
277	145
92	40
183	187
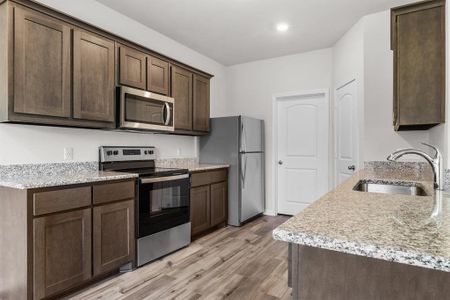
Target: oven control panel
111	153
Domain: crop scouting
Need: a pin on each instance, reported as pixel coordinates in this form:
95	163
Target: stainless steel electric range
163	203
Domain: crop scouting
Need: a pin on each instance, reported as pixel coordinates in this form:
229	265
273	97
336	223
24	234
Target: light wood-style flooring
231	263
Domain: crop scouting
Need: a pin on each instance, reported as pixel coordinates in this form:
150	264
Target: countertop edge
106	178
207	168
391	255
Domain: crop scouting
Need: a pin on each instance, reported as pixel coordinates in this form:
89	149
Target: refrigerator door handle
244	170
243	138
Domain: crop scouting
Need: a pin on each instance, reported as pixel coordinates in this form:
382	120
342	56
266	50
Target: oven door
164	203
145	110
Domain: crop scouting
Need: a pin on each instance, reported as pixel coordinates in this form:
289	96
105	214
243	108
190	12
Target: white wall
24	144
251	86
439	135
380	139
364	54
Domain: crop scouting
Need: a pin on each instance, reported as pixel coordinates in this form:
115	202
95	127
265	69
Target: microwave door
145	110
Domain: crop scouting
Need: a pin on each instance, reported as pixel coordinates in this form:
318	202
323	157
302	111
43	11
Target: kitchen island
359	245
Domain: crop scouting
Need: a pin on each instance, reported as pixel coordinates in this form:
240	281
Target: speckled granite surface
29	176
191	164
395	228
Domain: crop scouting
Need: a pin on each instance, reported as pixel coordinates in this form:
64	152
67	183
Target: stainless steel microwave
144	110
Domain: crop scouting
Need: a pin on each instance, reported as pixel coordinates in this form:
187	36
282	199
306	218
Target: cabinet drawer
59	200
113	192
204	178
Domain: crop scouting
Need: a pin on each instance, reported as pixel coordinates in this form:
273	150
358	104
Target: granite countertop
32	176
390	227
190	163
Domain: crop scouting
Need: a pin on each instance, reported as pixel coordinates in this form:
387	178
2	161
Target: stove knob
116	152
108	152
145	152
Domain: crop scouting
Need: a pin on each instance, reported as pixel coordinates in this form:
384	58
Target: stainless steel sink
402	188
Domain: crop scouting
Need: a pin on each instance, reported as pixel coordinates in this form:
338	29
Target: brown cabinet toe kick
59	239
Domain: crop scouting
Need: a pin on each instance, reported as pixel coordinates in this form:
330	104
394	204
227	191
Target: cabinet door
158	75
62	252
41	65
219	203
113	236
93	77
182	93
201	103
418	33
200	209
132	68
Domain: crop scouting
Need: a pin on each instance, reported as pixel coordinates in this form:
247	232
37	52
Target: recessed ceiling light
282	27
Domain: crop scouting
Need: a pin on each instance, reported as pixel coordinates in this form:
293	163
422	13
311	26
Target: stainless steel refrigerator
239	142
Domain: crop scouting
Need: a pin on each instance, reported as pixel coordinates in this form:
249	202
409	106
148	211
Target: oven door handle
164	179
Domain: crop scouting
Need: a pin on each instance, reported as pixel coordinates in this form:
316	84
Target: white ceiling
237	31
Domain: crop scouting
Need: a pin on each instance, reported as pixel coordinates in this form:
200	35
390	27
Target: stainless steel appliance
163	200
239	142
145	110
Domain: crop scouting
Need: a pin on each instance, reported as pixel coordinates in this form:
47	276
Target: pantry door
302	123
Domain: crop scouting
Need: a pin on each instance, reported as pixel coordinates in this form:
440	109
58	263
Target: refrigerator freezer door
252	185
251	135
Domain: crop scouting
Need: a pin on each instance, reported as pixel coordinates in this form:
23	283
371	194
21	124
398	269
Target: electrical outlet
68	153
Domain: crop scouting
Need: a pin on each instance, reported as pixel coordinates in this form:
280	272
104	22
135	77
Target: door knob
280	162
352	168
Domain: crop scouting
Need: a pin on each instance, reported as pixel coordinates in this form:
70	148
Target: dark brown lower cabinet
200	209
209	200
219	197
113	236
62	252
62	238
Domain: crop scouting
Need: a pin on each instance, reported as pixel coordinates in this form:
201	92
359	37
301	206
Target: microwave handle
168	115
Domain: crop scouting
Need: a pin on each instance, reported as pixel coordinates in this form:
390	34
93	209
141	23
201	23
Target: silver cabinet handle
351	168
280	162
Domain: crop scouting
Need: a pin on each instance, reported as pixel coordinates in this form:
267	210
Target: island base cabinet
319	274
113	240
62	252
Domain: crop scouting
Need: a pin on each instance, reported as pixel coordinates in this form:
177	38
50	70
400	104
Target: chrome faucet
436	162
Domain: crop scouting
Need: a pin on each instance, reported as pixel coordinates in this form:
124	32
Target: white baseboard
270	213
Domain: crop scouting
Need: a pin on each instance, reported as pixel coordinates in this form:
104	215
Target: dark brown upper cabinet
41	65
418	42
181	91
132	68
157	75
93	77
57	70
201	103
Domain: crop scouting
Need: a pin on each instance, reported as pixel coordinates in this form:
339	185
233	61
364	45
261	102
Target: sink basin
402	188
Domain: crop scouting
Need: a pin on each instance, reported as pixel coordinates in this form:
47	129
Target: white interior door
302	146
346	120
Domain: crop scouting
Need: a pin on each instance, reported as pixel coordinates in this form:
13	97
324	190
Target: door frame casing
335	129
276	98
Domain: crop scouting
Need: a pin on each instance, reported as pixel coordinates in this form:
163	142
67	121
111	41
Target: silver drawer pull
164	179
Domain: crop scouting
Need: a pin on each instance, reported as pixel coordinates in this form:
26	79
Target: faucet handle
437	152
